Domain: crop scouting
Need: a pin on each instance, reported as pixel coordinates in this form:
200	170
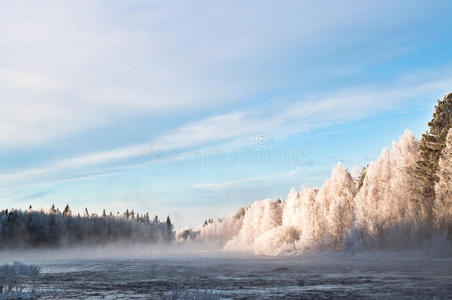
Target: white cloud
67	67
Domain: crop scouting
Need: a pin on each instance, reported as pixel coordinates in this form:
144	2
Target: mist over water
184	272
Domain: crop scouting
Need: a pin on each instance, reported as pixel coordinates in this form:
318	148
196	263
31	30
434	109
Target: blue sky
193	108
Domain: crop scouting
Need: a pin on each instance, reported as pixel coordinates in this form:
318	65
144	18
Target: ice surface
231	277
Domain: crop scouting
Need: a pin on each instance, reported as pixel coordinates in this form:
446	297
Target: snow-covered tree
220	231
259	217
385	200
330	214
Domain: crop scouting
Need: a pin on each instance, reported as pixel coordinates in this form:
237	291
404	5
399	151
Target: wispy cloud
232	183
72	67
343	106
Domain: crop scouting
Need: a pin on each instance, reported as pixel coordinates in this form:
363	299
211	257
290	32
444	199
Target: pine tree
53	209
86	213
67	211
443	189
104	214
430	147
169	226
362	176
127	214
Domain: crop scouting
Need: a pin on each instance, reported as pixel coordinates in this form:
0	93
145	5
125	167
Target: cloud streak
343	106
233	184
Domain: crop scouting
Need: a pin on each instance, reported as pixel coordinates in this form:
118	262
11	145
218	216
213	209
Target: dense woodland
402	200
60	228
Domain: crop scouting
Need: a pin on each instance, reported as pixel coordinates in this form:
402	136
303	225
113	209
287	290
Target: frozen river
243	277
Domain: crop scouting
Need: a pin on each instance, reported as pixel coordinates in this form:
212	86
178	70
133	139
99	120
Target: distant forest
53	228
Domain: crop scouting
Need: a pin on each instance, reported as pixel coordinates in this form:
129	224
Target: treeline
53	228
402	200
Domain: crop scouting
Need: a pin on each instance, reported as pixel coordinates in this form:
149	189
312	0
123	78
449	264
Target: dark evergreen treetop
67	210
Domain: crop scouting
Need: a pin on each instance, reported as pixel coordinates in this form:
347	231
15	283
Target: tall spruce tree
430	147
169	226
443	189
53	209
67	211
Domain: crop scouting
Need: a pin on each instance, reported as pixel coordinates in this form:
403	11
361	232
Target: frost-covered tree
443	189
301	212
385	200
220	232
331	213
259	217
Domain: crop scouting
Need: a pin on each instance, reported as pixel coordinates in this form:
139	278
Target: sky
194	108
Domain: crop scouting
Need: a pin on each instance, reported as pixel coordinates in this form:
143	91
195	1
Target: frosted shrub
18	281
